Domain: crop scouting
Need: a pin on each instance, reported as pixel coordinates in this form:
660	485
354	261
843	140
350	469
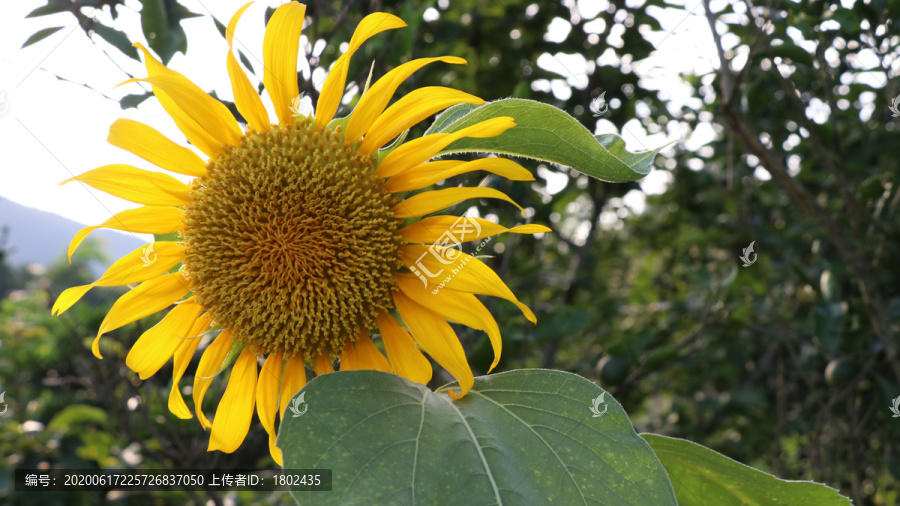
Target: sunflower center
291	243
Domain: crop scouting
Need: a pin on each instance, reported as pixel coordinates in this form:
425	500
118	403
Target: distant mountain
40	237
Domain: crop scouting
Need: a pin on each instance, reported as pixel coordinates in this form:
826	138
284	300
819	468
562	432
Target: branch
724	76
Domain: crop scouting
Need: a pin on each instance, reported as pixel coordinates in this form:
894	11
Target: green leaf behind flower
543	132
519	437
702	476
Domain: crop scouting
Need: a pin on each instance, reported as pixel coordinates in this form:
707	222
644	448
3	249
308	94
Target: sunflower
296	239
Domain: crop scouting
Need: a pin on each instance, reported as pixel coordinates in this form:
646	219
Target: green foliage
519	437
67	409
118	40
41	35
10	278
161	24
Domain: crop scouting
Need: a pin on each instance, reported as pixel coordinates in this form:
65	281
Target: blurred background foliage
788	365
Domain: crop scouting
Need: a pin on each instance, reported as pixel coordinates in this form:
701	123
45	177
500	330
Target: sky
53	126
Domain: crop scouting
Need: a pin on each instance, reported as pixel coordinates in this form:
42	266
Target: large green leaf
701	477
520	437
546	133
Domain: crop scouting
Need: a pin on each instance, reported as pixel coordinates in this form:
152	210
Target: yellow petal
196	133
267	398
232	421
294	379
410	110
197	105
376	99
147	298
324	365
183	356
280	48
333	89
427	169
267	391
229	32
368	356
68	297
437	338
463	308
157	345
429	173
210	362
458	271
435	230
246	99
405	357
436	200
348	357
136	185
146	262
143	220
147	143
275	451
418	150
155	258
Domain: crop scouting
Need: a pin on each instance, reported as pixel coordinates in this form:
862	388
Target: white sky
52	130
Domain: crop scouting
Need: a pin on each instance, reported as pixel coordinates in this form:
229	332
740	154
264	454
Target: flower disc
291	242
